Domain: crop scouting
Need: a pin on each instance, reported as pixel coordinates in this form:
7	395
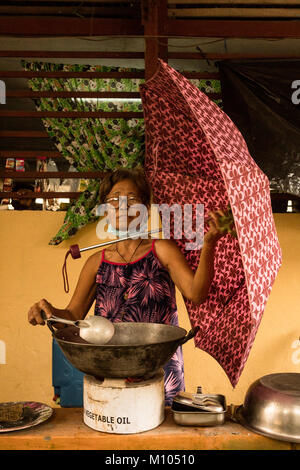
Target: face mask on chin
114	231
126	233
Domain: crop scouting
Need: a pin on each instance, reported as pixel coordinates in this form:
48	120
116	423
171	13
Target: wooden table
65	430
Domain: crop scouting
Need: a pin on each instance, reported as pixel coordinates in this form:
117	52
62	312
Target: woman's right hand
34	314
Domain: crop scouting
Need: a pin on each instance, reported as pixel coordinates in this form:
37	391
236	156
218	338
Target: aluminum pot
272	407
135	350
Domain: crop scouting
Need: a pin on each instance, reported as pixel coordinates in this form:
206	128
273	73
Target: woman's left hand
215	232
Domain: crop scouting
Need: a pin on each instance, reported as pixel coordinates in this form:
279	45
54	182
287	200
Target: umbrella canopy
195	154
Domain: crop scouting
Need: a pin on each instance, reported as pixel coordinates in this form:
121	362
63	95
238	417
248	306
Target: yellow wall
31	270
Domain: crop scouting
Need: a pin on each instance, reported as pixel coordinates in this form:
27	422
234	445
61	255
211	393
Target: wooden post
154	19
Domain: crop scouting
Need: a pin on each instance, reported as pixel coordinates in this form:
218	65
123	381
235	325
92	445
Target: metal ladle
95	330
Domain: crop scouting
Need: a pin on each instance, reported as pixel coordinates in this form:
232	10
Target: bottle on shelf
8	182
53	185
69	184
40	185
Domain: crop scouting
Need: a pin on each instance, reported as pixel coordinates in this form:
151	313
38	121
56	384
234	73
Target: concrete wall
30	270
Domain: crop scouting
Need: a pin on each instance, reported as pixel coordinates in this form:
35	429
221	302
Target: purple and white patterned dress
141	291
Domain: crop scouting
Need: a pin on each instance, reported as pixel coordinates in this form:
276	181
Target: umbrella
195	154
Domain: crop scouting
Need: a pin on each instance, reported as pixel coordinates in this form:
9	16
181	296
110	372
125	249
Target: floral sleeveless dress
141	291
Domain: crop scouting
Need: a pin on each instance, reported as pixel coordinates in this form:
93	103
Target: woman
134	280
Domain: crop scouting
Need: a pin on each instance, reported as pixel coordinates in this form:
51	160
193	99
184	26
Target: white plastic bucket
115	406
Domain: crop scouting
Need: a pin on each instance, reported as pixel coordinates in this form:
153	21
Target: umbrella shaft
118	240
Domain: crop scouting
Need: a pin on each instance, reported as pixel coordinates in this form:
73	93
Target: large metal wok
135	350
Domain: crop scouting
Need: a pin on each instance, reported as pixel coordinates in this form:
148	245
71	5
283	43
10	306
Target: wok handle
44	317
189	336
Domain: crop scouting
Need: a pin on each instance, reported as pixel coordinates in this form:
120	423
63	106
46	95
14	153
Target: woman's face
118	216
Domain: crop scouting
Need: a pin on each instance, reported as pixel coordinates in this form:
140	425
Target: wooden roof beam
234	28
54	26
72	27
154	20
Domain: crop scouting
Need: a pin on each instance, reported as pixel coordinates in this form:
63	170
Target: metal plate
34	414
241	420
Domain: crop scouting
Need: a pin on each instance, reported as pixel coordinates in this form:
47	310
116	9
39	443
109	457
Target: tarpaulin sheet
262	98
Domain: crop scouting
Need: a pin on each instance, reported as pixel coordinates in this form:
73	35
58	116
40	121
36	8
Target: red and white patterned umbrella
195	154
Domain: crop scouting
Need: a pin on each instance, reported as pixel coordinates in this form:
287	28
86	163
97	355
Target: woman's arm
193	286
81	301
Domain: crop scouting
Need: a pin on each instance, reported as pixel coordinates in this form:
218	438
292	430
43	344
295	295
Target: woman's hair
136	175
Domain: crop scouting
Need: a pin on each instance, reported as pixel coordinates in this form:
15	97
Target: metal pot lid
239	417
200	402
